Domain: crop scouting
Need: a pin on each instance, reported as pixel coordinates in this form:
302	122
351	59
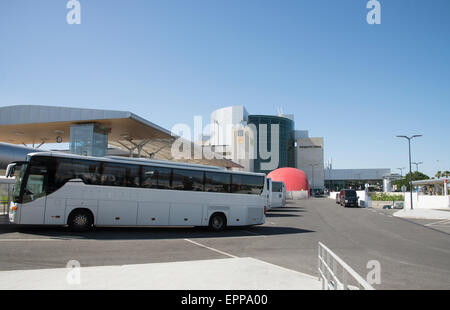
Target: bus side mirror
10	170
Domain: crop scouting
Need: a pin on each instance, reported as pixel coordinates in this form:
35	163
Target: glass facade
337	185
88	140
284	136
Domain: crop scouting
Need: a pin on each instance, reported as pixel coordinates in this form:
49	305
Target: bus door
34	196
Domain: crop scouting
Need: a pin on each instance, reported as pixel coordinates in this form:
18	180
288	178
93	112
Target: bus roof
141	161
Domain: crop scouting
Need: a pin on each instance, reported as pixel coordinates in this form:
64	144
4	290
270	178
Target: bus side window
247	184
187	180
113	174
87	170
217	182
149	177
155	177
133	176
164	178
59	172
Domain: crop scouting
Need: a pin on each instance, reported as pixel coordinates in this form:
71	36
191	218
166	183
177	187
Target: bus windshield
18	184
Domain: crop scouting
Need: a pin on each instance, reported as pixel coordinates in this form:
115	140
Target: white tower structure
223	121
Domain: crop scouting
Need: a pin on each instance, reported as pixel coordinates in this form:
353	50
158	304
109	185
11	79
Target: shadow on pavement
145	233
272	214
286	210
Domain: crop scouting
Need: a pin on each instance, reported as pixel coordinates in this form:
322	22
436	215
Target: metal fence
5	197
336	274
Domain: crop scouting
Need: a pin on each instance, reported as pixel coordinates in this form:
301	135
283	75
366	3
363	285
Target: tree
415	177
440	174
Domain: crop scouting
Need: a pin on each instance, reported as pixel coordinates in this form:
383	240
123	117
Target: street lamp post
401	170
312	172
417	165
410	172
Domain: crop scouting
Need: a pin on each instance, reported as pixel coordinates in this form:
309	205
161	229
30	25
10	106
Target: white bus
277	194
82	192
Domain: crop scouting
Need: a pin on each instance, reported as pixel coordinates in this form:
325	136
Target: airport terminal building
337	179
89	132
245	138
234	135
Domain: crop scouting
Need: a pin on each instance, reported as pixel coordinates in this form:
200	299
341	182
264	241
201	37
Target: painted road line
441	222
32	240
212	249
253	233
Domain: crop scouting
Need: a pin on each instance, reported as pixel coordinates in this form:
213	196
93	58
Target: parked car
338	199
348	198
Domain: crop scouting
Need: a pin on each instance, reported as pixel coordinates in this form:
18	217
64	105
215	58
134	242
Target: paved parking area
441	225
411	256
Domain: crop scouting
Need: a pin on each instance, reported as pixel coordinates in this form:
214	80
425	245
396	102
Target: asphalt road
411	255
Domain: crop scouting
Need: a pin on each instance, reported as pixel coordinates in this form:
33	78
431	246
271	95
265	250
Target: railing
336	274
5	198
4	206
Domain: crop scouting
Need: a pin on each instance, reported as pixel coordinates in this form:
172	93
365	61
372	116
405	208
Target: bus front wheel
217	222
80	220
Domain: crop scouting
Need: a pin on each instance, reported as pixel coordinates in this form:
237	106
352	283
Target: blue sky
355	84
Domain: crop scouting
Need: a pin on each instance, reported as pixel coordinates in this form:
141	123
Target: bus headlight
13	206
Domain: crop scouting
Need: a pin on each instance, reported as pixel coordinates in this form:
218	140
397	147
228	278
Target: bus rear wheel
80	220
217	222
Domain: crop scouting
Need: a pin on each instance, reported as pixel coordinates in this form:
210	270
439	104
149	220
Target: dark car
348	198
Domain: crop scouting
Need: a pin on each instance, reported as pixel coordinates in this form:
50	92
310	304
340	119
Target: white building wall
427	201
309	156
222	123
243	147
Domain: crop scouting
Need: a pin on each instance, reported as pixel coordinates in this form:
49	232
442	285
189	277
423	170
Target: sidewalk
424	214
217	274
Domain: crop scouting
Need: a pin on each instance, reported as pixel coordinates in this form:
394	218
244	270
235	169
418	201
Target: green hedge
386	197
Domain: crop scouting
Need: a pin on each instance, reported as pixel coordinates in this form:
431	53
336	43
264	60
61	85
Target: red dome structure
294	179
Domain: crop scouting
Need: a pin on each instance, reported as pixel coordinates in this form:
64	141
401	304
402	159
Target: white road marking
212	249
28	240
253	233
441	222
